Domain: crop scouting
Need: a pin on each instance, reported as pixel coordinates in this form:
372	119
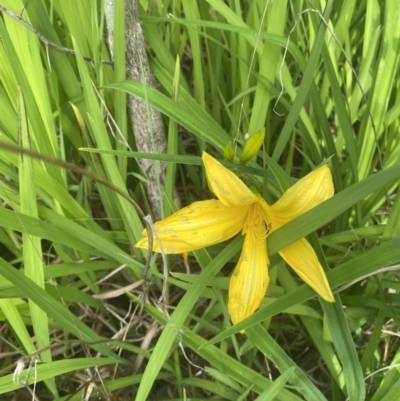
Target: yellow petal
196	226
250	279
228	187
307	193
302	258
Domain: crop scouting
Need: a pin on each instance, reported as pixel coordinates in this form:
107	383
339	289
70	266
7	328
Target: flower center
255	224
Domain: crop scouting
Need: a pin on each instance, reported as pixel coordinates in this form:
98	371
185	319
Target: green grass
69	308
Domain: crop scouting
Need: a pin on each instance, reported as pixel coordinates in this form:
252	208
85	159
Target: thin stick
164	259
10	147
71	167
42	38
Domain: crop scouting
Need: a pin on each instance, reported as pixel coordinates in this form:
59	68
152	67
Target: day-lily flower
237	209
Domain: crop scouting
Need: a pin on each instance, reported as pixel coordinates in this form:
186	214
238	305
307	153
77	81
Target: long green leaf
268	346
366	264
344	346
328	210
178	111
57	310
44	371
177	319
219	359
304	87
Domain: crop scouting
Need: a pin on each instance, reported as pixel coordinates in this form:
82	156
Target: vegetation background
322	77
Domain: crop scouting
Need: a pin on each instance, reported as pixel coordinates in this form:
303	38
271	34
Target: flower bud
252	146
229	152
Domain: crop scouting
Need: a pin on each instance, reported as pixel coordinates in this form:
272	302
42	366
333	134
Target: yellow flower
238	209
